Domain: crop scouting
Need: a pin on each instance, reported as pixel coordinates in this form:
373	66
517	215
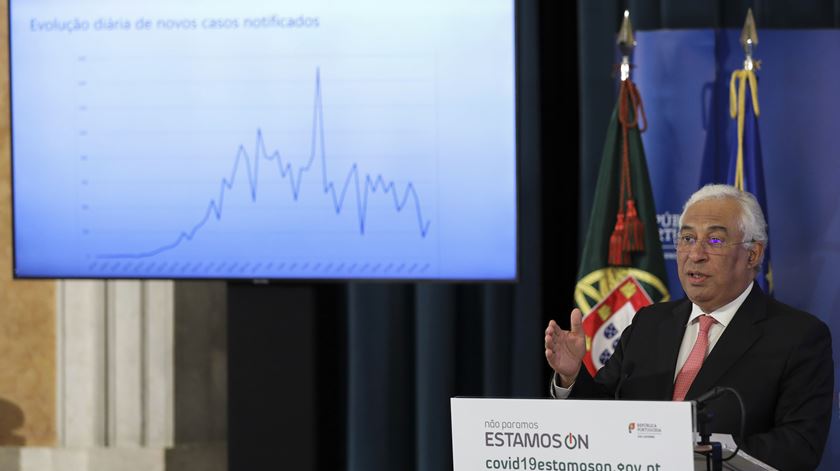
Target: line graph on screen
327	187
356	184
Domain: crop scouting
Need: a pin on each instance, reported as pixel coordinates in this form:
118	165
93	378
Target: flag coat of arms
609	318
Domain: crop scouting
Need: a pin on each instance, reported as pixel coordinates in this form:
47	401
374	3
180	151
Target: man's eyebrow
724	229
718	228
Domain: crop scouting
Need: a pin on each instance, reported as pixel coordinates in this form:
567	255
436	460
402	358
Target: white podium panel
565	435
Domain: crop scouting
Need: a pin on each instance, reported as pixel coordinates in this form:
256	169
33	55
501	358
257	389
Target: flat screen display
315	139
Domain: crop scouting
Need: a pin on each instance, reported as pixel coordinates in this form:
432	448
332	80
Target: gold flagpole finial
626	42
749	39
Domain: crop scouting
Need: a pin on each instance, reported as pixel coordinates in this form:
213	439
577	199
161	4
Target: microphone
628	370
707	396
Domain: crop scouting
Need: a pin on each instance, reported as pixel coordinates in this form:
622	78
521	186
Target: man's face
713	277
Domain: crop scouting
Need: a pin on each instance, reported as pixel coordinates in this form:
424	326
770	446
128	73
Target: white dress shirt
723	317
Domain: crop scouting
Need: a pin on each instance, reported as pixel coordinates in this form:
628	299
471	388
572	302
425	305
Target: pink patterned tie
695	359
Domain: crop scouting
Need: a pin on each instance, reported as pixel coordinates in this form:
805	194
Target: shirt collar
724	315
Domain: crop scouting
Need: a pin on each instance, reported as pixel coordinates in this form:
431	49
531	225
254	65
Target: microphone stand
712	450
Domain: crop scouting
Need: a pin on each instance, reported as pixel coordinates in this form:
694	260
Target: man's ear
756	250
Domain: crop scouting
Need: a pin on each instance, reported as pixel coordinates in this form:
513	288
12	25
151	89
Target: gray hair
751	223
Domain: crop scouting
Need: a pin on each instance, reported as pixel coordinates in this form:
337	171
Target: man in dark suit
727	333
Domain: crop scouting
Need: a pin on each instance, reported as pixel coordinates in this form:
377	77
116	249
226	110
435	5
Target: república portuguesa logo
644	429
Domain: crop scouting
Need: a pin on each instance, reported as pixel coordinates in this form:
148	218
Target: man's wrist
565	381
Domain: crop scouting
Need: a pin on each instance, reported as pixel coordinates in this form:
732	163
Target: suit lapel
671	333
739	336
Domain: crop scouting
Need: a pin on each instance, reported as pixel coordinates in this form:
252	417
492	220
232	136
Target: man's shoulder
666	307
658	312
784	323
792	317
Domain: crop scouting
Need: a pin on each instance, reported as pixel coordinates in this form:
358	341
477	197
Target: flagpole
626	43
738	92
749	39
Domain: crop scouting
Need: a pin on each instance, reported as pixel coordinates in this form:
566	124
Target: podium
742	461
579	435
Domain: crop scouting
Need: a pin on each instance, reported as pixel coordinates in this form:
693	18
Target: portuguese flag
622	267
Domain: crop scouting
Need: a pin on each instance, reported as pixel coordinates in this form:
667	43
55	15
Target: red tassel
617	255
635	229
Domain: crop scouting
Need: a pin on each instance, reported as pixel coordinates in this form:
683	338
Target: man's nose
697	251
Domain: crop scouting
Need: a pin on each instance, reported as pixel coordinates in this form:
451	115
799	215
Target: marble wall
27	314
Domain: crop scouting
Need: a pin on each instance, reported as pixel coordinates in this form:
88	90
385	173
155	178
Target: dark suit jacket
776	357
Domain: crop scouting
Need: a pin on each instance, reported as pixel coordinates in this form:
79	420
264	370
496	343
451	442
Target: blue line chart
356	185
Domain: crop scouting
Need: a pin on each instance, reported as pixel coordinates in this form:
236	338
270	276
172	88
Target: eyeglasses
712	245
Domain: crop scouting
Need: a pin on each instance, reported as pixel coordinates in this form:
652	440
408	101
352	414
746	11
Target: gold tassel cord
737	109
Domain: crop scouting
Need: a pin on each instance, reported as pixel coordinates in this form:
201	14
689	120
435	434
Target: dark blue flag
746	171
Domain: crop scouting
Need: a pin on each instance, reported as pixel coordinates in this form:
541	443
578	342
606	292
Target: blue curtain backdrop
684	79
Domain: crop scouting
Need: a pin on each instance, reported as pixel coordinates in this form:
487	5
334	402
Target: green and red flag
622	267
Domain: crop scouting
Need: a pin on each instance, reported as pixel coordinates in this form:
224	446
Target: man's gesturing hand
564	349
